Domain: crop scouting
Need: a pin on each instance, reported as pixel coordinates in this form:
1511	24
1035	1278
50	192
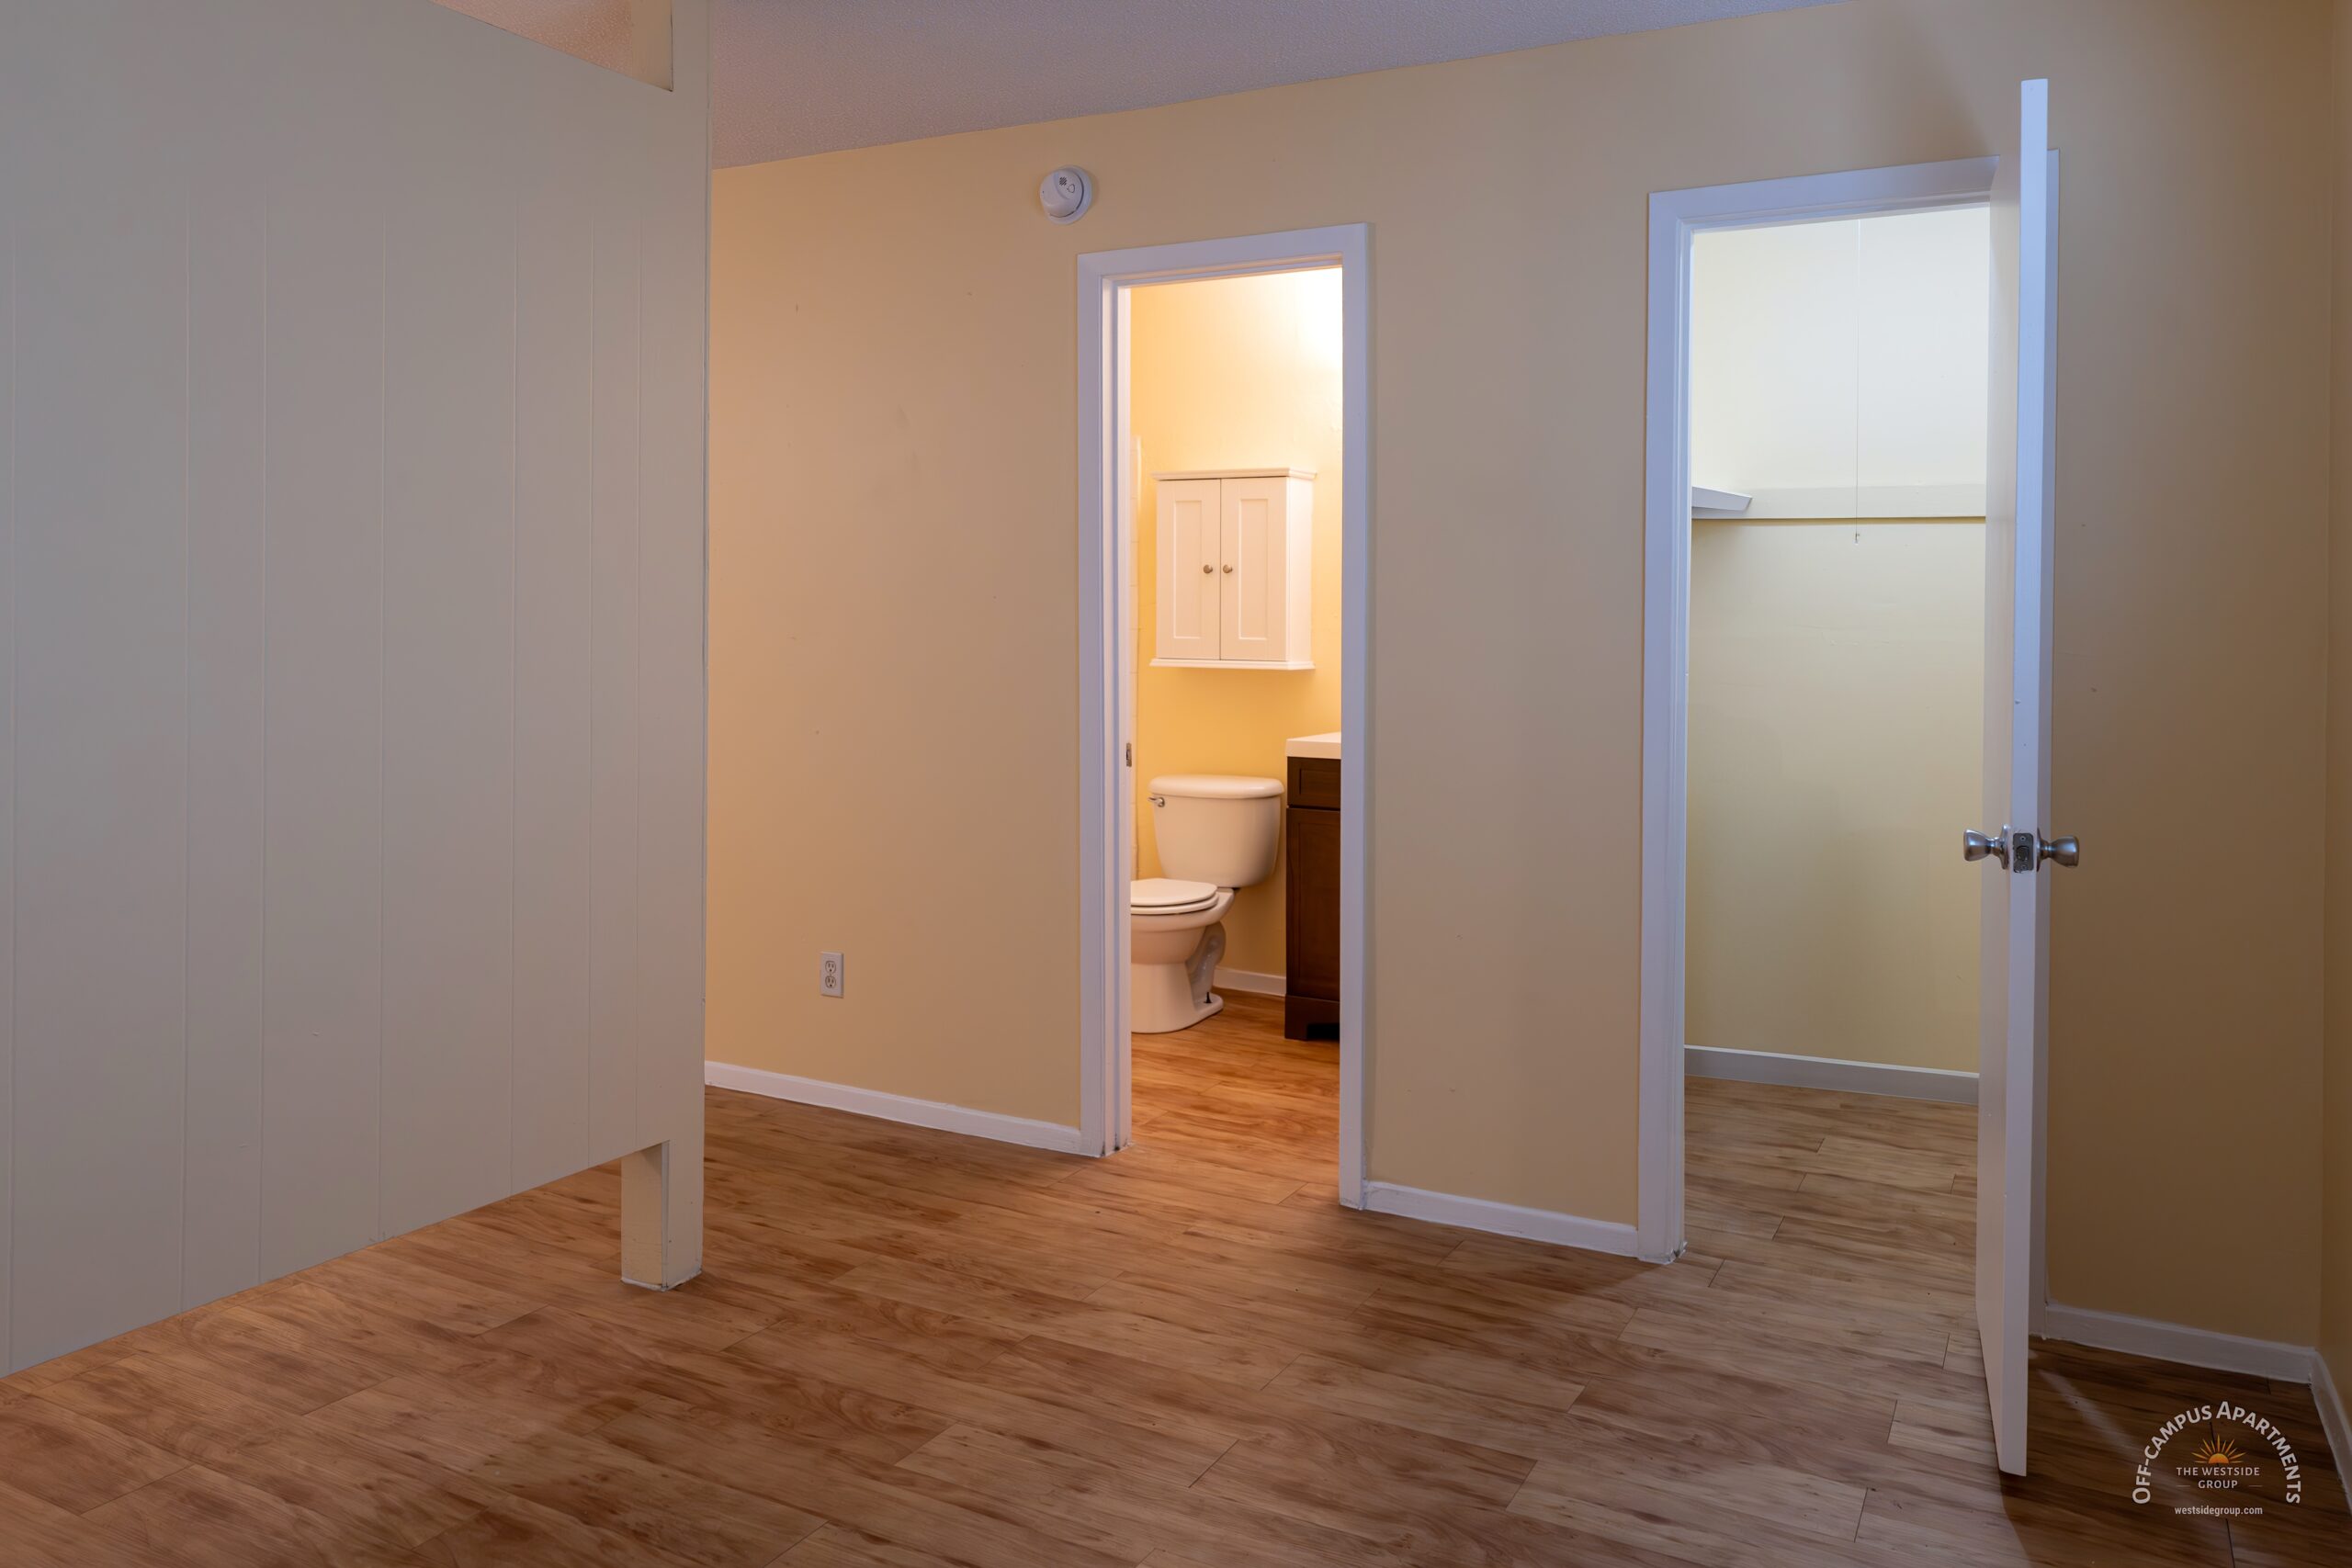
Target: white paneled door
2013	845
1252	593
1189	559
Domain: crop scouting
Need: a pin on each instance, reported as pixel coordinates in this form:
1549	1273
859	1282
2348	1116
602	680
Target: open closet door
2014	954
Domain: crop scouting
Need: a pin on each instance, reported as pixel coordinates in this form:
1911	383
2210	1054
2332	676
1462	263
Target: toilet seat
1168	896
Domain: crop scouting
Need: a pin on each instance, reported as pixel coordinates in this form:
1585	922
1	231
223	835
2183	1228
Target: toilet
1217	833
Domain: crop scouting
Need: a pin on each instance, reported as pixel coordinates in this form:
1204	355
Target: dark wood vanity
1311	916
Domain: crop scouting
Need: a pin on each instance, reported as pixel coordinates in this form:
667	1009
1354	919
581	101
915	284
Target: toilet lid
1168	895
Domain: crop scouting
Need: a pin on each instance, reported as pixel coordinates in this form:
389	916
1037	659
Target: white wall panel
8	80
614	909
101	712
1838	368
351	560
1774	387
1925	300
554	634
324	809
672	570
228	566
449	651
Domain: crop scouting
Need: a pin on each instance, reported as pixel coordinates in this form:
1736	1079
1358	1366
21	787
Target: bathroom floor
915	1350
1230	1091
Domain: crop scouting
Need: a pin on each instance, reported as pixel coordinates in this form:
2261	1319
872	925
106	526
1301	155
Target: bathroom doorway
1225	510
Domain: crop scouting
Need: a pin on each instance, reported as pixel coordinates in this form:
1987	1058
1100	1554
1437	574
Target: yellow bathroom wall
1235	373
1837	745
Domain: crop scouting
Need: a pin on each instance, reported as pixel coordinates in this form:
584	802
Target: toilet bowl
1217	833
1177	936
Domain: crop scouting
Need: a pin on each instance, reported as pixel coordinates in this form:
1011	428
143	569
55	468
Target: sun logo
2219	1451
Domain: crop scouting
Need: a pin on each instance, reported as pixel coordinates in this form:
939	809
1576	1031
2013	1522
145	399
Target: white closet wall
1838	368
351	636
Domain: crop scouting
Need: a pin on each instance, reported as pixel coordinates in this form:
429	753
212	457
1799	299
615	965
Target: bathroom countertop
1312	746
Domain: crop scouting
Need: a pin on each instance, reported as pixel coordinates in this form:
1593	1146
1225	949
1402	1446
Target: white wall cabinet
1236	569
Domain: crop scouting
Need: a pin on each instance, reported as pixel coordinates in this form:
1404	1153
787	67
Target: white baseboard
1829	1072
1502	1218
2177	1342
2329	1400
872	1102
2220	1352
1251	981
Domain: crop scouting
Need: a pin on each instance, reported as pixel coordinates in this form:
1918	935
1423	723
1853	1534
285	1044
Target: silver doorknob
2066	851
1974	845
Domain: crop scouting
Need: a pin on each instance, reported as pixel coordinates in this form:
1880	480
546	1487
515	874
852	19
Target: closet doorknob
1206	568
1974	845
1228	569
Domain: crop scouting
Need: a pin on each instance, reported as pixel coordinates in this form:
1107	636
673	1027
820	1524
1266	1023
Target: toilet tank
1216	828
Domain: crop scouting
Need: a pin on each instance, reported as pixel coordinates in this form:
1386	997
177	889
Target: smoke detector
1066	194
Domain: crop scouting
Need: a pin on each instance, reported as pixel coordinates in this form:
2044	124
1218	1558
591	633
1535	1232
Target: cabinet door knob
1229	567
1206	568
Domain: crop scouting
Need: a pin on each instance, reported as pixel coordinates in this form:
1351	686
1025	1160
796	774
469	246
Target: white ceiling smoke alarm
1067	193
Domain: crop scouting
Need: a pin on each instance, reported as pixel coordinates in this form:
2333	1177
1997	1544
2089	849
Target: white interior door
1250	617
2013	845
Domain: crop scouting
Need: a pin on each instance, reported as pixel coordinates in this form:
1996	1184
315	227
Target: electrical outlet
829	973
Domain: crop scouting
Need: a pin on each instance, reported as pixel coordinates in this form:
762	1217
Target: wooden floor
913	1350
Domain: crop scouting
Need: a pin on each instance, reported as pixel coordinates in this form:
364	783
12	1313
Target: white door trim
1106	653
1675	216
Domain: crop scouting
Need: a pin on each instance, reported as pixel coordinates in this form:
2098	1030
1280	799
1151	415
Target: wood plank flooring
912	1350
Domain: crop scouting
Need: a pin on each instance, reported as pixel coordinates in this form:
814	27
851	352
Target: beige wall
1235	373
893	349
2335	1319
351	637
1836	739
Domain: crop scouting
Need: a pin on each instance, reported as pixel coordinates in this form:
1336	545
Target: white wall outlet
829	973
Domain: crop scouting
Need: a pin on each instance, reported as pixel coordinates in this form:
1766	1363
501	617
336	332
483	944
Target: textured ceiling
792	77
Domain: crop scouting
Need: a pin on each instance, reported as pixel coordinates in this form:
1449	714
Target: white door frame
1676	216
1106	653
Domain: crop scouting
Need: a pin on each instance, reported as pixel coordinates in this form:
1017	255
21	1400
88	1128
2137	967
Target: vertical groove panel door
1188	545
1255	545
